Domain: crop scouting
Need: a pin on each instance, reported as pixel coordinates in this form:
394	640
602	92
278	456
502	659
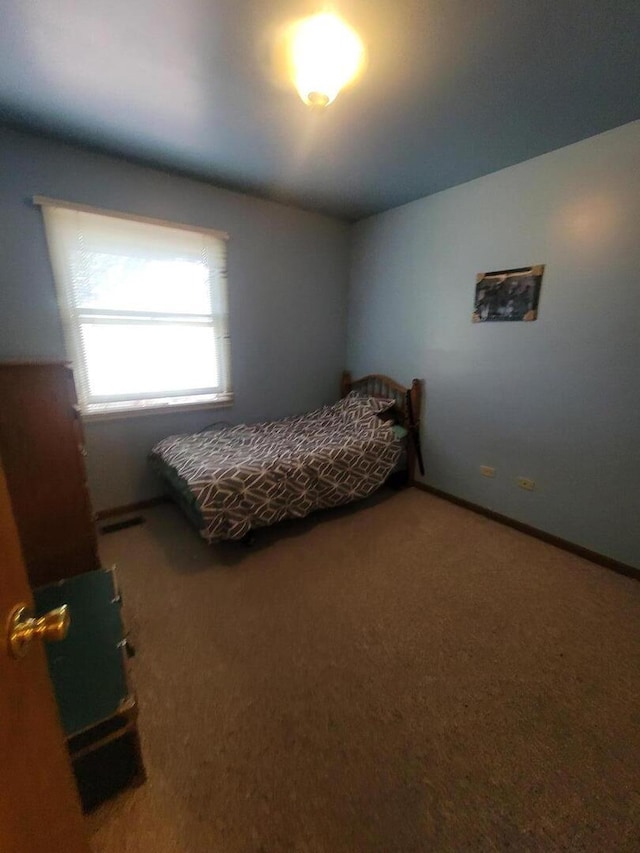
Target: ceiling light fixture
325	55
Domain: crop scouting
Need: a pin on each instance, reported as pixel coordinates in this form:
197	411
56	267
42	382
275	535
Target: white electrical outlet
487	471
527	484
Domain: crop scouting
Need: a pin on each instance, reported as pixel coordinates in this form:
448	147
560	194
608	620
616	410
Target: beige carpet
404	676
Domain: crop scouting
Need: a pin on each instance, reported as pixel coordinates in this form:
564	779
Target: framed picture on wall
508	295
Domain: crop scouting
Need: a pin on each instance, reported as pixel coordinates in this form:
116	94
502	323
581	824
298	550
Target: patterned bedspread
244	477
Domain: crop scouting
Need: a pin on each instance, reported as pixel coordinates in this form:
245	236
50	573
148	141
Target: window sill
119	413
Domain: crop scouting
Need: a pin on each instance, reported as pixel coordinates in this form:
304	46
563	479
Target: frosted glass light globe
326	54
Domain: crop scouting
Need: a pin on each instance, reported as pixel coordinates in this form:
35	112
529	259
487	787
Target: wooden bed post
345	383
416	403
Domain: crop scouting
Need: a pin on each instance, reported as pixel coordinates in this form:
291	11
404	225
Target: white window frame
117	406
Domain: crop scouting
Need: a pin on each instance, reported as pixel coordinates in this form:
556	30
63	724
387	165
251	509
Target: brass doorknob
23	628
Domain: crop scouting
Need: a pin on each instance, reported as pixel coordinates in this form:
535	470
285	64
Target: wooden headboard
377	385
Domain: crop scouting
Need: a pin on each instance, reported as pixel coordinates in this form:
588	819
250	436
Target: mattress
237	478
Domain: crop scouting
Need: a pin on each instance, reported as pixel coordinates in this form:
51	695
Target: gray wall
288	273
556	400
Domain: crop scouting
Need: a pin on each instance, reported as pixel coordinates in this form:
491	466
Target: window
144	309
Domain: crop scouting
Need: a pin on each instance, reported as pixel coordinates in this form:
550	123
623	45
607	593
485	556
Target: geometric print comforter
243	477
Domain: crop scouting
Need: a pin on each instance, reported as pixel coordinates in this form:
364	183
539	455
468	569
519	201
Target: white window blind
144	309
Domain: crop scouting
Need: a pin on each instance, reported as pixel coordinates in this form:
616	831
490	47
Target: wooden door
39	805
42	446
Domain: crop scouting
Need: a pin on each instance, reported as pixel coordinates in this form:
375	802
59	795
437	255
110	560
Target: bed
230	480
